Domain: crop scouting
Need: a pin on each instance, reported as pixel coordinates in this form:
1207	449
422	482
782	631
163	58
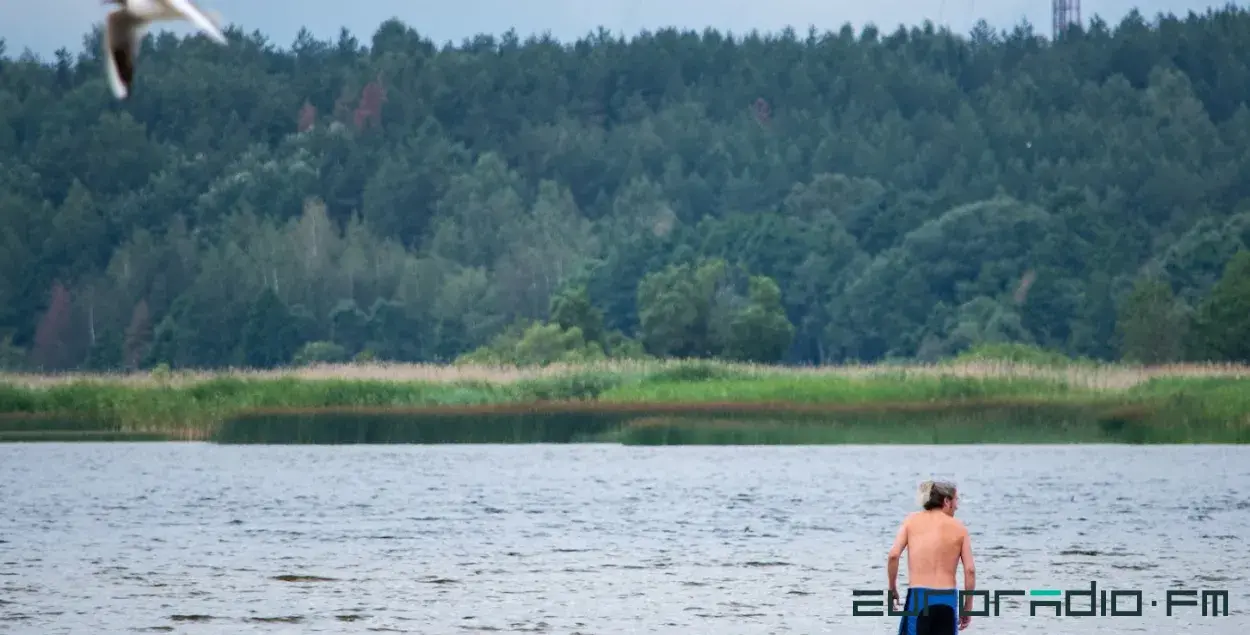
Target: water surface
602	539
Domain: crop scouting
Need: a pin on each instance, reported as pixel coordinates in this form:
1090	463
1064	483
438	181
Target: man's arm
896	552
970	570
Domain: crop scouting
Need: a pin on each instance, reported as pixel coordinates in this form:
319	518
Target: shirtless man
935	542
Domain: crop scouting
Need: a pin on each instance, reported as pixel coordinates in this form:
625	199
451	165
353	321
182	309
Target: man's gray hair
933	494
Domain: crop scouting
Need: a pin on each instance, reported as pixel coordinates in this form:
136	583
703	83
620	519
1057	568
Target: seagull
125	28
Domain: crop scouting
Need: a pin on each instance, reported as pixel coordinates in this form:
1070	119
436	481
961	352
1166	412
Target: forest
797	198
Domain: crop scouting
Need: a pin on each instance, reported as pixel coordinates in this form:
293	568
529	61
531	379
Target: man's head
940	495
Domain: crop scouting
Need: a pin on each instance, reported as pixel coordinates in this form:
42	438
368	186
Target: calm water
194	538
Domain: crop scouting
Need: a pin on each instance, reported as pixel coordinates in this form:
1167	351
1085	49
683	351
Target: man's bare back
934	544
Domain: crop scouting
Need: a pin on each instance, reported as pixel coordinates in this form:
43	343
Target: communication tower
1065	13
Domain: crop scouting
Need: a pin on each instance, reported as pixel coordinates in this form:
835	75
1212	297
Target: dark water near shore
591	539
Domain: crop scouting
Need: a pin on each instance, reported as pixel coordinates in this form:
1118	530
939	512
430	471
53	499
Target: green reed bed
401	425
989	425
1208	410
810	389
724	423
16	427
1127	419
195	410
82	436
703	402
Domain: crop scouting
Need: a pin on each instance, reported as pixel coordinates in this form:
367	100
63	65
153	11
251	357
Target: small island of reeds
643	402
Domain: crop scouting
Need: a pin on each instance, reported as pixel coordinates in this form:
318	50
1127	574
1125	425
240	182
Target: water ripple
588	539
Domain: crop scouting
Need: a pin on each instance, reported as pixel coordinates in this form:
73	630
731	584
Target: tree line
798	198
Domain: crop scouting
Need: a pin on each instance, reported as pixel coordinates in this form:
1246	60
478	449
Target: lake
593	539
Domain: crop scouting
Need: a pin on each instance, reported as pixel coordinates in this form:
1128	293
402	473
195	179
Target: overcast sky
45	25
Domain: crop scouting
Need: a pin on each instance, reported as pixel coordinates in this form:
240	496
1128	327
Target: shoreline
670	402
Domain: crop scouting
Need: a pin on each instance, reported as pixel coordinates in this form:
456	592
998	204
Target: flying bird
126	26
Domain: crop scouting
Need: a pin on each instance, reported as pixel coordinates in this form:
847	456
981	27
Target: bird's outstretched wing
197	17
122	35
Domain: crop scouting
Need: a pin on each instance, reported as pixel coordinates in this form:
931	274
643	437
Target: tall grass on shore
1086	375
952	421
199	405
664	424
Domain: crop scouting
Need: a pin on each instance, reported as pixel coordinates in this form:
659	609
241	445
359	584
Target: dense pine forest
798	197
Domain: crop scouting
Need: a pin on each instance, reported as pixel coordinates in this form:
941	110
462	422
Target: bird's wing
122	35
196	16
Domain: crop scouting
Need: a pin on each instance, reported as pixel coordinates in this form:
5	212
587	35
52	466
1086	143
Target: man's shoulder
959	525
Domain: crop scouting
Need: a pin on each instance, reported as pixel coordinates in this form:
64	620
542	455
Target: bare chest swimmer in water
936	542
